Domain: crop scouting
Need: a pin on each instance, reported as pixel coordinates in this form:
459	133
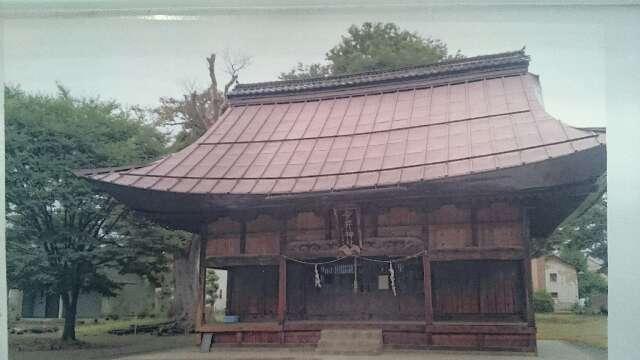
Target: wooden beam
375	211
282	290
202	273
504	253
328	224
374	246
428	304
243	236
241	327
318	325
476	328
247	260
426	278
526	270
282	273
230	288
282	232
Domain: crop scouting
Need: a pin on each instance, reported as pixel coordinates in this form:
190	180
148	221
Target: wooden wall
400	222
263	236
494	226
224	237
474	253
386	231
477	290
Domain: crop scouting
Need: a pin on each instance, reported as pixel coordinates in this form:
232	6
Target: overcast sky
137	58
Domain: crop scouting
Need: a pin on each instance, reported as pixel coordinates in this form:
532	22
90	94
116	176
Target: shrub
578	309
542	302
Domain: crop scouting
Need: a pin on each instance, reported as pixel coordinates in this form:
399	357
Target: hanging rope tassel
316	277
392	277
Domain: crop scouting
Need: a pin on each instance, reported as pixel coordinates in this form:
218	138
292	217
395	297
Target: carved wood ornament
349	229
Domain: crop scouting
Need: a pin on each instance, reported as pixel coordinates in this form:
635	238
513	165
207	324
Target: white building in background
558	278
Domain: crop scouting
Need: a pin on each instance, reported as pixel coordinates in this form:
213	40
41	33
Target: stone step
350	333
373	338
345	343
350	341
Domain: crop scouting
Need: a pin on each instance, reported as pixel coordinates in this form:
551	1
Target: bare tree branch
196	110
233	65
214	95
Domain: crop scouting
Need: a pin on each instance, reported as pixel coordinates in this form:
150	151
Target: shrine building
400	201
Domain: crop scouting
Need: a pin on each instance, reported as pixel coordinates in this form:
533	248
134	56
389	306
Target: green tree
591	283
586	233
211	291
63	234
374	46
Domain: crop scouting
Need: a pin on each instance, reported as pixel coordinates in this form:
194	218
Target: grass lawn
588	330
103	327
94	343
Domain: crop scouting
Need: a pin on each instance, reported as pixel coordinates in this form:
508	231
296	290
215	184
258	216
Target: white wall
566	285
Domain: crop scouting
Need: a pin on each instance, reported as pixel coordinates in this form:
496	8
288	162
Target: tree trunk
70	304
185	272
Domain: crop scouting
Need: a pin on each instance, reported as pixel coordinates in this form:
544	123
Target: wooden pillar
202	273
526	270
426	277
428	305
230	289
243	236
282	270
282	290
426	269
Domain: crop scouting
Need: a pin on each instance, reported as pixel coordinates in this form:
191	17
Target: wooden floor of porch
412	326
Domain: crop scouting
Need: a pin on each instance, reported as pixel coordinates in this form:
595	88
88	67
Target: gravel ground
547	350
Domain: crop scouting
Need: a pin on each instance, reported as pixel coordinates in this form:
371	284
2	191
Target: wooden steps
350	341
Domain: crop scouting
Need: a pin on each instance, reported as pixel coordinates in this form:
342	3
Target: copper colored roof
370	130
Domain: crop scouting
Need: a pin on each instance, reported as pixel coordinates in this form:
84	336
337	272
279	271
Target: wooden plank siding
478	291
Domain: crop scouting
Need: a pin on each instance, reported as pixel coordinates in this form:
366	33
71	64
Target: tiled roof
411	132
469	67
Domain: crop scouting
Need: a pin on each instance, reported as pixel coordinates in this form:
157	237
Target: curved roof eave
407	132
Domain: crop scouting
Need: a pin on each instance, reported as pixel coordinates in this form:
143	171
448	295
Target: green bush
583	310
578	309
542	302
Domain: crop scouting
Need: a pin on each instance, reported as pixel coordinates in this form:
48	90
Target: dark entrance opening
371	297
